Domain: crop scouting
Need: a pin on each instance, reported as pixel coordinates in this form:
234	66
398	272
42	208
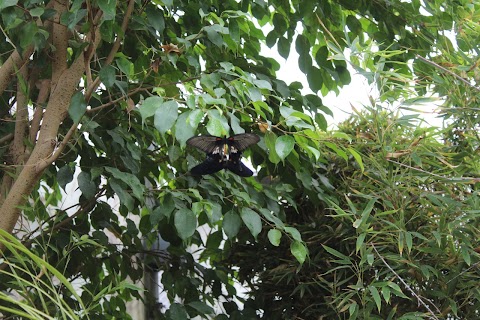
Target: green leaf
78	106
294	233
183	130
235	124
299	251
195	117
165	209
465	255
302	45
252	221
409	241
71	18
283	46
16	247
27	34
36	12
155	18
64	176
321	121
217	124
274	236
7	3
315	79
270	139
284	145
107	76
262	84
213	211
231	224
149	107
272	218
396	290
208	99
125	65
360	241
131	180
335	253
185	222
125	198
86	185
201	307
370	259
234	30
108	7
357	157
214	36
376	297
165	116
177	312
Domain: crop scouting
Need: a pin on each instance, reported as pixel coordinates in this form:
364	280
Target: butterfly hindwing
239	169
211	165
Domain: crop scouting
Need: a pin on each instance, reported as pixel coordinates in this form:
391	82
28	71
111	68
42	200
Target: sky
355	94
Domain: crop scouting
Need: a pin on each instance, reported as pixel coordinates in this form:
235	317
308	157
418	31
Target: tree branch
44	89
59	41
94	85
67	82
15	61
17	148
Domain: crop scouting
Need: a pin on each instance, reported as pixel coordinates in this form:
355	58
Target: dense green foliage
375	220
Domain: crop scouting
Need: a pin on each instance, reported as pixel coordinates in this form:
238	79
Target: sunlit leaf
284	145
165	116
149	107
299	251
274	236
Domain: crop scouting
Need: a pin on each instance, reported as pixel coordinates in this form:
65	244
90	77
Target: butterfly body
223	153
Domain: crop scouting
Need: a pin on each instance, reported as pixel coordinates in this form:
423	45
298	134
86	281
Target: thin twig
420	299
447	71
454	179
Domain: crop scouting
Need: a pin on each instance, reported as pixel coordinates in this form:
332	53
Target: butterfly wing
216	160
211	165
242	141
207	144
235	165
239	169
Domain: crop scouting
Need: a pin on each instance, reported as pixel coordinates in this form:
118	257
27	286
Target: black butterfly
223	153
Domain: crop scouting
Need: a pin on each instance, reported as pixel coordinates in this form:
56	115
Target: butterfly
223	153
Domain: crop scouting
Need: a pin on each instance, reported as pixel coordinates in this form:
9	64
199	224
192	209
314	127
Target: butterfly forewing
243	141
205	143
